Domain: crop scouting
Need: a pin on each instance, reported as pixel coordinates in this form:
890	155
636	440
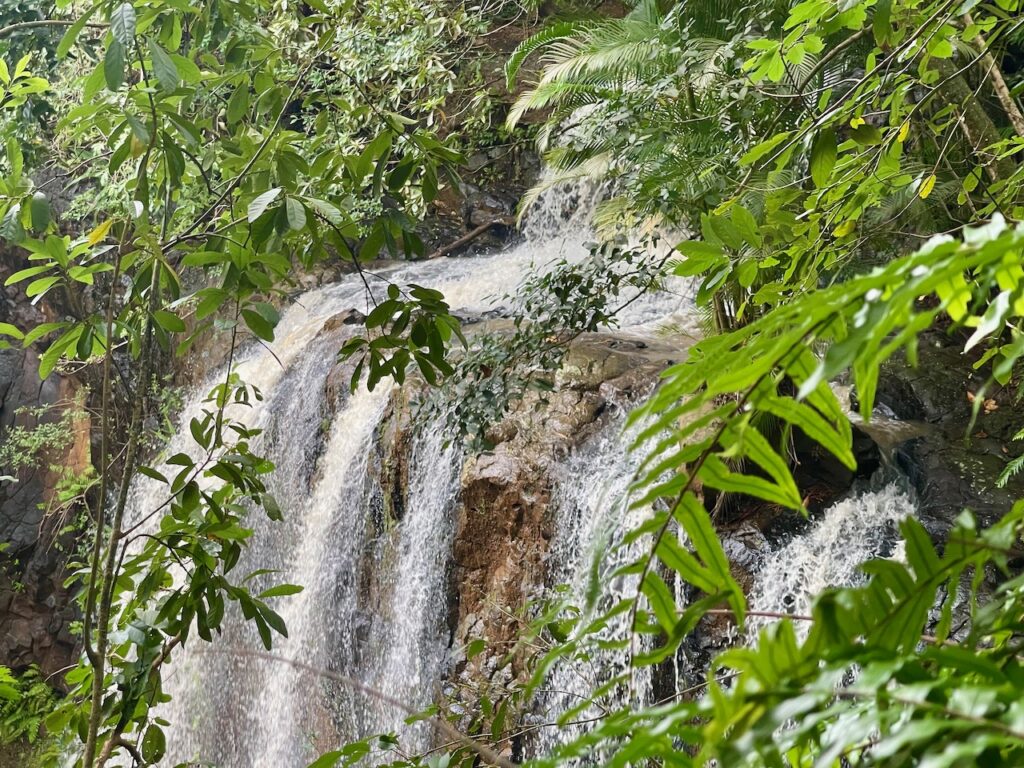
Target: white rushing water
861	527
592	512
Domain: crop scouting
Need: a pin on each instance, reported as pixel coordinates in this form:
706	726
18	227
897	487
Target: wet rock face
35	608
504	521
953	464
501	537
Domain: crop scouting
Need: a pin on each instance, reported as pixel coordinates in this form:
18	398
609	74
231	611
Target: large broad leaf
261	203
823	157
164	68
122	24
113	65
296	213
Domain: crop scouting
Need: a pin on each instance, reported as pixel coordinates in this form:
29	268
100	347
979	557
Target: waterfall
237	712
375	563
375	582
410	649
592	513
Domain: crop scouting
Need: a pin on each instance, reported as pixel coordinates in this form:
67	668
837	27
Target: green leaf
169	321
122	24
42	330
154	744
812	424
49	359
281	590
23	274
261	203
866	134
475	648
550	35
164	68
139	129
187	69
238	104
881	23
152	473
258	324
716	474
992	321
295	212
327	760
661	600
6	329
272	508
329	211
39	207
15	158
697	524
113	66
823	157
746	225
41	286
10	228
762	149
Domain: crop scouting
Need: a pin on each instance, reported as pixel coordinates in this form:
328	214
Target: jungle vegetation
849	173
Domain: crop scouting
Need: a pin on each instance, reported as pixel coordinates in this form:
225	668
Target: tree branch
11	28
473	234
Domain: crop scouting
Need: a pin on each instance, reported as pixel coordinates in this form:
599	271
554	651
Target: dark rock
348	317
953	464
484	207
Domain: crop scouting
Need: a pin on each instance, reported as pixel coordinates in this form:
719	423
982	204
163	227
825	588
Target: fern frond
1010	471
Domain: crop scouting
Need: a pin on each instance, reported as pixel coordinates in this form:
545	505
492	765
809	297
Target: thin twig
485	752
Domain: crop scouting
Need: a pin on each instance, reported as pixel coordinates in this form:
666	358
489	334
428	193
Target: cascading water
235	712
592	513
409	648
852	531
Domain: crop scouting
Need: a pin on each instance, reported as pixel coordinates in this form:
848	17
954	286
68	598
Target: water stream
861	527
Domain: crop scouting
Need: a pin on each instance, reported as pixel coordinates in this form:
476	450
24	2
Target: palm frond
545	37
618	48
570	95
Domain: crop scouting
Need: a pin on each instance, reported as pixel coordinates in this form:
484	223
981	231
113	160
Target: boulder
504	522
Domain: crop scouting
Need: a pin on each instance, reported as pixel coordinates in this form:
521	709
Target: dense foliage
849	175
